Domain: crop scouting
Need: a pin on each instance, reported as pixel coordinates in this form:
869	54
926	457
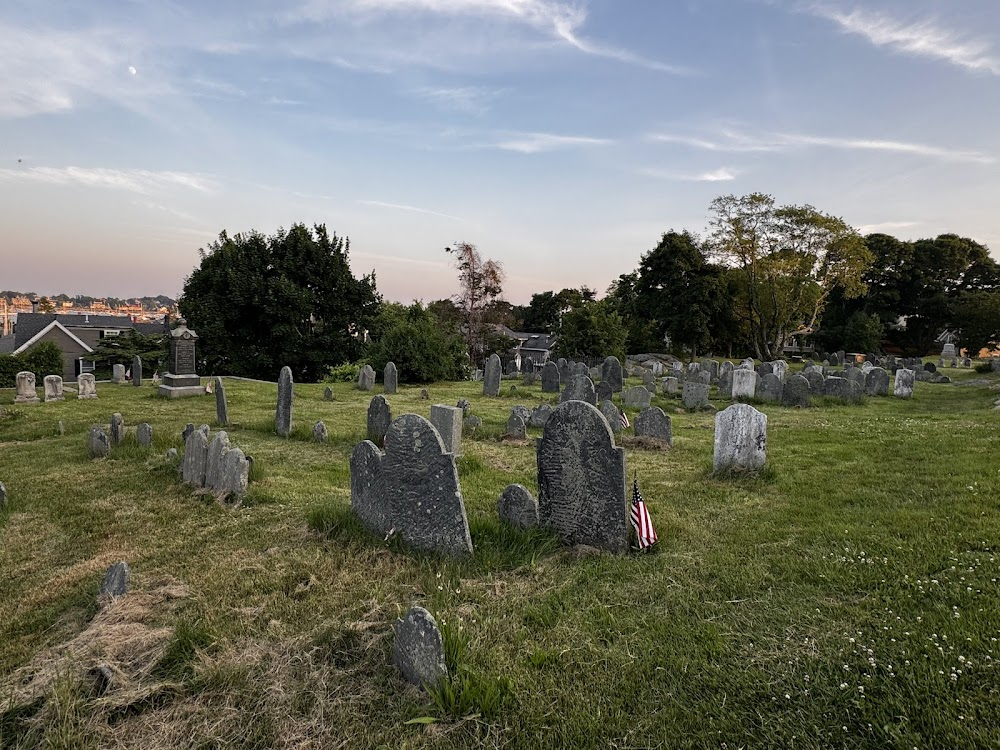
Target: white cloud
719	175
133	180
412	209
887	226
723	174
923	38
533	143
465	99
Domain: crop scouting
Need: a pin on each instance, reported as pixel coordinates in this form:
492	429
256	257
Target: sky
561	137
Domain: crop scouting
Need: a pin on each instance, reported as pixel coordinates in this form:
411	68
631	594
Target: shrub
346	373
42	359
422	350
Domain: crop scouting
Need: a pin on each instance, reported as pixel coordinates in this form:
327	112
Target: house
536	346
76	336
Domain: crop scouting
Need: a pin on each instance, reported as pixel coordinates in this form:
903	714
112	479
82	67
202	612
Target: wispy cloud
887	226
132	180
412	209
736	142
472	100
534	143
719	175
921	38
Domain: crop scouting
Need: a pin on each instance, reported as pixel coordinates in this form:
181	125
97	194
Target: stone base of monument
26	400
179	386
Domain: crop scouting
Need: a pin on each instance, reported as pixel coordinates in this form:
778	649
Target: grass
846	598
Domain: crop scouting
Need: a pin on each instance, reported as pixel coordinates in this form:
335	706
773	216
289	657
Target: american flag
623	419
643	524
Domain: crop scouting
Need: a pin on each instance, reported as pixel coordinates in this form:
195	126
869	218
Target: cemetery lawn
848	599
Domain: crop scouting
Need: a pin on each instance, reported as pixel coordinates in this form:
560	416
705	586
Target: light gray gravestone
235	474
25	382
283	410
366	378
877	382
144	435
412	489
98	444
579	388
115	581
540	415
856	375
118	373
320	434
117	431
780	368
53	388
695	395
612	374
613	415
86	386
693	368
418	650
523	412
670	386
550	378
328	394
653	423
948	352
637	397
515	427
137	371
491	377
390	378
3	495
726	366
603	391
795	391
221	405
215	460
740	439
703	376
744	383
817	383
518	507
447	421
581	479
379	419
903	387
195	461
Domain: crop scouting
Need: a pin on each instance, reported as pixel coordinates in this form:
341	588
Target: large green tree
592	330
422	349
259	303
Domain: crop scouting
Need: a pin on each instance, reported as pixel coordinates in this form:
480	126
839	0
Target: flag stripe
641	520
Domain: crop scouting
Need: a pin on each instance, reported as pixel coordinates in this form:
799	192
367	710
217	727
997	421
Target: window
108	334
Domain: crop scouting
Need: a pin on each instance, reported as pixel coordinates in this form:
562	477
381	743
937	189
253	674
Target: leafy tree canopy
422	349
592	330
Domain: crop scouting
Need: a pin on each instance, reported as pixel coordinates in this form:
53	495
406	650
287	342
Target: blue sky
560	136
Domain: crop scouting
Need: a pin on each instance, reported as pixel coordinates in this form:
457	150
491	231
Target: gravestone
118	373
903	387
379	419
581	479
447	420
412	489
540	415
25	388
320	433
491	377
856	375
529	378
328	394
98	444
579	388
846	390
464	404
115	581
637	397
511	368
769	388
550	378
283	410
390	378
418	650
144	435
725	367
86	386
117	431
603	391
366	378
221	406
930	367
877	382
765	368
740	439
948	352
795	391
214	460
967	362
744	383
137	371
517	507
703	376
670	387
235	474
817	383
612	374
515	427
195	462
471	423
3	495
523	412
695	395
726	384
53	388
424	395
564	370
780	368
613	415
527	365
188	429
648	379
653	423
181	378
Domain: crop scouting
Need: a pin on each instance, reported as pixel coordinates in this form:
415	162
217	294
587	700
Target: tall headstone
744	383
492	376
181	378
86	386
118	373
137	371
581	479
215	460
117	431
877	382
740	439
98	443
194	465
53	388
283	410
904	384
390	378
447	420
379	419
221	406
726	384
653	423
328	394
25	382
611	373
550	378
144	435
769	388
564	370
612	415
579	388
366	378
795	391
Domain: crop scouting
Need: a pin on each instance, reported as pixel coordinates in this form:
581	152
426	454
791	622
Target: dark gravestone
856	375
726	384
550	378
390	378
470	424
765	368
612	374
564	370
379	419
795	391
328	394
695	395
579	388
612	415
930	367
603	391
846	390
517	507
877	382
511	369
527	365
412	489
581	479
540	415
181	378
98	444
283	412
769	388
221	406
418	650
817	383
653	423
115	581
137	371
117	431
491	377
515	427
366	378
187	431
638	397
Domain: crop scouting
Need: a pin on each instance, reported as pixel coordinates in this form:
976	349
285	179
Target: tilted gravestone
550	378
695	395
726	384
283	412
492	376
117	431
379	419
795	391
637	397
515	427
740	439
144	435
877	382
98	444
137	370
581	479
115	581
53	388
418	649
903	387
612	414
366	378
86	386
412	489
540	415
447	420
653	423
221	406
215	458
517	507
320	433
579	388
26	388
390	378
612	374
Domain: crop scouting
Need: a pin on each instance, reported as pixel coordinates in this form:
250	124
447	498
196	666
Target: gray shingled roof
7	345
30	324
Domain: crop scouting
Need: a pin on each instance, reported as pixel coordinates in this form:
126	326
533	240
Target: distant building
536	346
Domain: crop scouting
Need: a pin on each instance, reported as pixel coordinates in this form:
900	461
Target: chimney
34	305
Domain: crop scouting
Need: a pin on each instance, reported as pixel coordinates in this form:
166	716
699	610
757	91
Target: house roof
538	342
29	324
7	344
49	327
150	329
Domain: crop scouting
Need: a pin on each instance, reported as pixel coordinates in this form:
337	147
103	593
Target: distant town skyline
562	137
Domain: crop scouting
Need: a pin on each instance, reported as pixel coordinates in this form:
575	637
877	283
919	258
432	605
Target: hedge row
43	359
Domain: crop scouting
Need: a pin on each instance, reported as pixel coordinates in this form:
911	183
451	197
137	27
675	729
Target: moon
131	70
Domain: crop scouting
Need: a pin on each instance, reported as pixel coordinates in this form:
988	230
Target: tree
592	330
789	259
976	316
544	313
481	287
119	350
259	303
422	350
45	305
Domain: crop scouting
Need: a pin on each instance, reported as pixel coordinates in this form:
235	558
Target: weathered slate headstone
856	375
195	461
86	386
221	406
726	384
612	414
581	479
471	423
144	435
550	378
769	388
492	376
214	460
670	386
603	391
390	378
366	378
726	366
98	444
877	382
328	394
612	374
283	411
565	370
235	474
637	397
516	427
115	581
53	388
795	391
695	395
518	507
464	404
117	431
412	489
320	433
744	383
579	388
188	429
118	373
540	415
447	420
703	376
379	419
529	378
653	423
765	368
137	371
418	651
740	439
846	390
903	387
25	382
817	383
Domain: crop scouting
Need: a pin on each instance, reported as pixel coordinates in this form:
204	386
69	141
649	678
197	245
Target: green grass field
849	599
